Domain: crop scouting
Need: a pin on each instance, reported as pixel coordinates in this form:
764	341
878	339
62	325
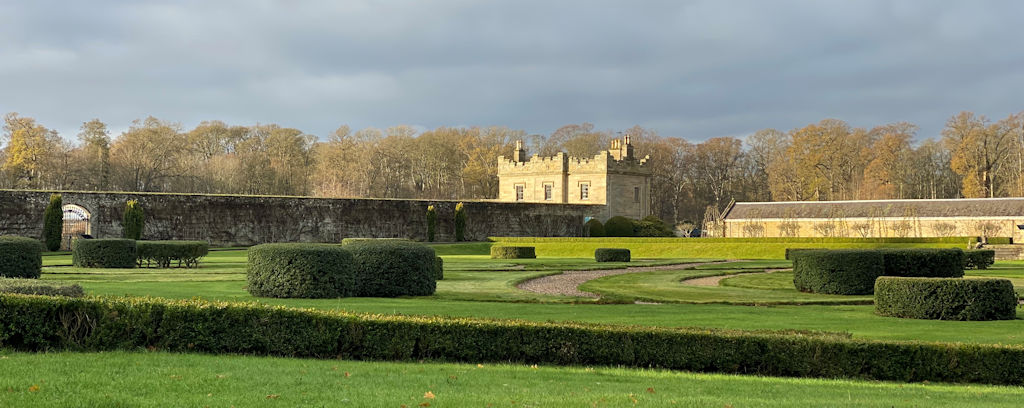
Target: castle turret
621	149
519	155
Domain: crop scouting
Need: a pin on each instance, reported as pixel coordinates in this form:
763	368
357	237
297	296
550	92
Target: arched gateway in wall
76	223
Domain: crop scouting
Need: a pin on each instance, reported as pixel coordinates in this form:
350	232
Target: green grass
701	247
665	286
166	379
476	286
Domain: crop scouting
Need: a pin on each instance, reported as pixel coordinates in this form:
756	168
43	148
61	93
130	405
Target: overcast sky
692	69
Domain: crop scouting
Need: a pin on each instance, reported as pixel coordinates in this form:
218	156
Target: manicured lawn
166	379
476	286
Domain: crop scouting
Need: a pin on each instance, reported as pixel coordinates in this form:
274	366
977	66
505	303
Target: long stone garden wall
248	220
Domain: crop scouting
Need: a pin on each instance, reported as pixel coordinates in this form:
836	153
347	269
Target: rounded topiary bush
438	268
20	257
594	228
618	226
164	254
945	298
979	258
386	268
103	253
300	271
837	272
923	262
513	252
611	255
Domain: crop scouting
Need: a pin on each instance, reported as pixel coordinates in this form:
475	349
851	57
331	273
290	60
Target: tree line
828	160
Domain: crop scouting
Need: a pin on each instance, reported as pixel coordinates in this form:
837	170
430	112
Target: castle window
547	192
519	192
636	194
584	191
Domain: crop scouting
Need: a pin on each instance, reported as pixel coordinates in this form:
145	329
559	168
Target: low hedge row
512	252
611	255
20	257
791	251
945	298
389	268
300	271
104	253
853	271
163	253
438	268
979	258
39	287
34	323
346	241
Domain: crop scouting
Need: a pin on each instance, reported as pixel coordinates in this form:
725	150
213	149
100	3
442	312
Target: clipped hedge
103	253
611	255
945	298
20	257
300	271
347	241
979	258
438	268
163	253
923	262
34	323
618	226
40	287
837	272
513	252
593	228
999	240
765	240
390	268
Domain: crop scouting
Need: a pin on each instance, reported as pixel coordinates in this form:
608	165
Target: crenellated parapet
535	164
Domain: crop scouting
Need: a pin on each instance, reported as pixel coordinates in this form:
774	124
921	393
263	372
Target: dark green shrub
923	262
790	251
618	226
163	254
1000	240
460	222
945	298
35	323
438	268
300	271
651	226
513	252
431	223
40	287
133	220
593	228
20	257
53	223
393	268
837	272
979	258
103	253
611	255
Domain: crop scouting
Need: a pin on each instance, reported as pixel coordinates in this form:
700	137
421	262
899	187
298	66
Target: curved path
717	280
567	283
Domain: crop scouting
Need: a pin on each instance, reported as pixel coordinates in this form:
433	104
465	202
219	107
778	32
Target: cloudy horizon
695	69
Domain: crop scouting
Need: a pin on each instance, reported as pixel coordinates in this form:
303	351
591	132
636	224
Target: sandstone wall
248	220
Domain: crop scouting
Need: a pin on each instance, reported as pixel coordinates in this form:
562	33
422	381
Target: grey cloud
694	69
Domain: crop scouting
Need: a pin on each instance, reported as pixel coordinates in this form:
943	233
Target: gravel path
716	280
567	283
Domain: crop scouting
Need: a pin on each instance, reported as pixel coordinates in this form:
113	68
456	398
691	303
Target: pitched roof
962	207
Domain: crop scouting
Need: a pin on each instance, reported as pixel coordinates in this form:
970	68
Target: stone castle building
614	179
977	217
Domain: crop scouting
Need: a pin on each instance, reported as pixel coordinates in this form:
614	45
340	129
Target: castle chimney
519	155
628	149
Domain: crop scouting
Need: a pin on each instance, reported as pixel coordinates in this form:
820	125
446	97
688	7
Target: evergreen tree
460	222
431	223
133	220
53	223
